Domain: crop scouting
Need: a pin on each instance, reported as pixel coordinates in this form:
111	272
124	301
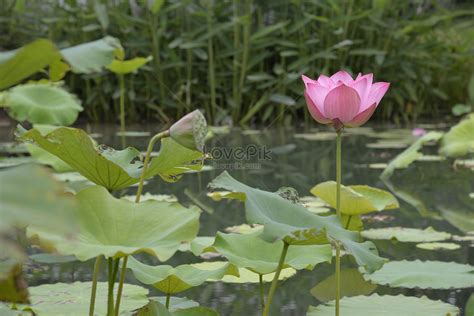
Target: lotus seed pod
190	131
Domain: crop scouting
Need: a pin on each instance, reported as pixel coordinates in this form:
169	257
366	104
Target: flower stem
338	173
262	291
338	276
120	287
110	297
122	107
95	276
168	299
152	142
273	287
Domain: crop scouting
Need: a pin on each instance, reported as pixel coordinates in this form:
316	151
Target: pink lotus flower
341	100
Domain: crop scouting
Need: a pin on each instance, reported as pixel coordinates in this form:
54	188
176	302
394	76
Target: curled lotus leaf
459	140
387	305
112	169
294	224
356	199
251	252
123	67
115	227
173	280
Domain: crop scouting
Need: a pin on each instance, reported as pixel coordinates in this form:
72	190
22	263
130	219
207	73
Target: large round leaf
406	234
460	139
73	299
173	280
42	103
107	167
386	305
356	199
293	223
251	252
115	227
352	284
424	275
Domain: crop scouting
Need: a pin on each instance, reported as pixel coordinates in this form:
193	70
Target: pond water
431	193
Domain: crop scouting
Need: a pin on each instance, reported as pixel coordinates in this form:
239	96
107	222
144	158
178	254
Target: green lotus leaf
356	199
73	299
29	195
244	228
459	141
352	222
155	197
438	246
386	305
42	103
6	311
460	217
45	158
293	223
93	56
51	258
123	67
156	308
424	275
469	309
251	252
115	227
247	276
21	63
403	234
176	302
352	284
13	287
314	204
201	244
409	155
106	166
172	280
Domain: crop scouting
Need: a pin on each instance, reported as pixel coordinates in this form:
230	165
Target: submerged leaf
251	252
115	227
106	166
376	305
294	224
406	234
460	139
424	275
42	103
356	199
172	280
352	284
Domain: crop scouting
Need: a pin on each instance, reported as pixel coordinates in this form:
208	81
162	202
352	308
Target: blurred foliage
241	61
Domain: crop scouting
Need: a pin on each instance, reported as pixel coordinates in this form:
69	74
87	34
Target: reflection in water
431	194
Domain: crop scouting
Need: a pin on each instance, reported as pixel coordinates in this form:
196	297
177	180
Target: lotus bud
190	131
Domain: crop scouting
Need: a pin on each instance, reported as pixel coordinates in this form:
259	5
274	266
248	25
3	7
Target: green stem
273	287
212	72
120	287
338	276
338	174
168	299
122	103
262	291
110	297
152	142
348	221
95	276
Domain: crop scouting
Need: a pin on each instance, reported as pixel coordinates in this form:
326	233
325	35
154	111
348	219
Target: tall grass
241	60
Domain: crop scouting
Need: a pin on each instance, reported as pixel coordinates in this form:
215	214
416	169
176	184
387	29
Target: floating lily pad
380	165
176	302
460	139
424	275
172	280
7	162
314	204
134	134
108	167
409	155
431	158
115	227
352	284
293	223
388	144
156	308
70	177
406	234
154	197
6	311
319	136
464	238
50	258
42	103
13	148
356	199
438	246
244	228
251	252
73	299
386	305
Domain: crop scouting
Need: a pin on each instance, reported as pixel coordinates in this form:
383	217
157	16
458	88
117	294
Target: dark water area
431	193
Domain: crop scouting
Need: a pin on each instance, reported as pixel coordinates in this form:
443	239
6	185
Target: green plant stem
122	103
110	297
338	174
168	299
212	71
152	142
266	310
262	291
338	276
348	221
120	287
95	276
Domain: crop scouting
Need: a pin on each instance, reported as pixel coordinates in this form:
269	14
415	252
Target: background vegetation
240	61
